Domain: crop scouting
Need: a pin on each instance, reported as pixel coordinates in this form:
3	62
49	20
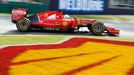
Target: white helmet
66	16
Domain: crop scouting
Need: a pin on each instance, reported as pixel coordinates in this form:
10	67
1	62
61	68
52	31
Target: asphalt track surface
8	28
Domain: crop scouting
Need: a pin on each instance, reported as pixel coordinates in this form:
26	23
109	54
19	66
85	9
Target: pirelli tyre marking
77	56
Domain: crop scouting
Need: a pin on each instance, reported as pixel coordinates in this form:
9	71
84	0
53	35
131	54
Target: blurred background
71	6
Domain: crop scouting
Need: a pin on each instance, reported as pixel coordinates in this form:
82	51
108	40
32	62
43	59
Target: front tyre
97	28
23	25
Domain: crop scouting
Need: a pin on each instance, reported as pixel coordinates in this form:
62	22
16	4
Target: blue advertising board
82	5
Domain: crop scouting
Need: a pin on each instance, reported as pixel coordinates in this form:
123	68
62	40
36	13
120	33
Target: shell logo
46	14
76	56
79	21
65	24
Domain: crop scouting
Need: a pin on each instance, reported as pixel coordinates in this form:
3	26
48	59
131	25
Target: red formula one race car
55	20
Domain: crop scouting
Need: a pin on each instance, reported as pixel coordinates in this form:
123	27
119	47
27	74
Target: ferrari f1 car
55	20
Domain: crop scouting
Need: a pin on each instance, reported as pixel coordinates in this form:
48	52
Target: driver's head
66	16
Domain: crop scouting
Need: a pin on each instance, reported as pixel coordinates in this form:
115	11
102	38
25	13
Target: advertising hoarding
82	5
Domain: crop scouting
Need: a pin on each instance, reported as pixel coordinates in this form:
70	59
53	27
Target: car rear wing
18	14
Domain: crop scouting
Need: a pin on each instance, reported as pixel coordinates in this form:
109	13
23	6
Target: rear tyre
97	28
23	25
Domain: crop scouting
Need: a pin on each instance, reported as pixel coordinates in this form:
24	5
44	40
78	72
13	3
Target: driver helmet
66	16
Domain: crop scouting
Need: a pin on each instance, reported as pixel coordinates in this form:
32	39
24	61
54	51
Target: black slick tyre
23	25
97	28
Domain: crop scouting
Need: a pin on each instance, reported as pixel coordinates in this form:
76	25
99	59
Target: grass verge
103	17
15	40
129	39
